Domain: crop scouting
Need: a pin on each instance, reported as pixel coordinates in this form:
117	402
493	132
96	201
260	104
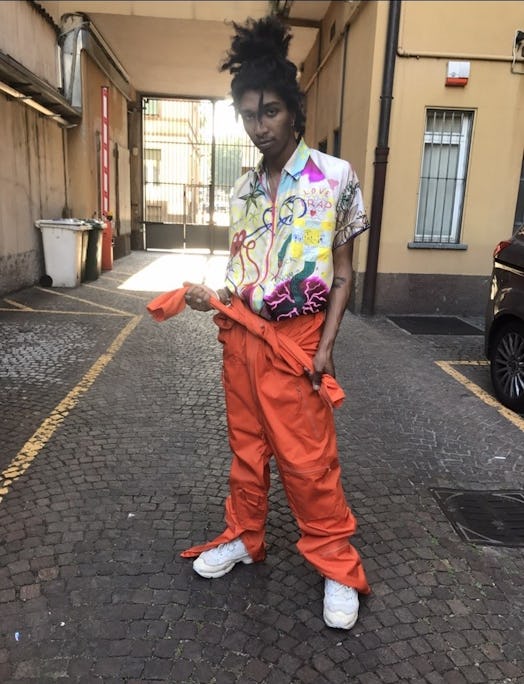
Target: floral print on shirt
281	255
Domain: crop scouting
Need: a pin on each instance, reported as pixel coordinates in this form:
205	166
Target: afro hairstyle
258	61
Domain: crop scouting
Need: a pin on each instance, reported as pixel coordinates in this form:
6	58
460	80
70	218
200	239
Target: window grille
194	150
443	176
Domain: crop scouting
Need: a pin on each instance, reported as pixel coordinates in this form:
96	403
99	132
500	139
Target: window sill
436	245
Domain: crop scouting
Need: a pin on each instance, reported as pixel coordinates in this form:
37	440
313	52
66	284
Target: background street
114	459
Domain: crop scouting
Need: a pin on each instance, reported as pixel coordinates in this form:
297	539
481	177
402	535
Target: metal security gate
193	151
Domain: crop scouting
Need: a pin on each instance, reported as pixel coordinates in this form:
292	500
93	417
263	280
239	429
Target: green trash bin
94	250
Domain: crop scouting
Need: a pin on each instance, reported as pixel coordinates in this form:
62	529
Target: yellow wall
497	144
482	33
83	157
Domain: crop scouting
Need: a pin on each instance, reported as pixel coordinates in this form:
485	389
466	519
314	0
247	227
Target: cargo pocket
315	493
250	509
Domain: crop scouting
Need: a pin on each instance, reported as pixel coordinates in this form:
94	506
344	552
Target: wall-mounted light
26	99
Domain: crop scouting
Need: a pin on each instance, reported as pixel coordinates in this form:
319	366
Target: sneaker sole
340	620
212	571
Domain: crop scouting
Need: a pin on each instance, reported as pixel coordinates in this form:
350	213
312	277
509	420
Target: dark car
504	337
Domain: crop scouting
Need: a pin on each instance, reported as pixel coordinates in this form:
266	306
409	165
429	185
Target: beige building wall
32	186
32	175
26	37
84	141
431	34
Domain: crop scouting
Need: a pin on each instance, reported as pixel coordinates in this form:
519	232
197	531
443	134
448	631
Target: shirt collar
294	165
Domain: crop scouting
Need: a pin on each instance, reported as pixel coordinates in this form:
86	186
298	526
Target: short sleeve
351	216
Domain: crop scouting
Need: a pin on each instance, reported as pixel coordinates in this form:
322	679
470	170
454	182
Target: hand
322	363
197	296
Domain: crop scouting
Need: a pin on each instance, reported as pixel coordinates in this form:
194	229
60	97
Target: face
268	122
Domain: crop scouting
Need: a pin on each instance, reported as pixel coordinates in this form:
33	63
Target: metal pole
381	159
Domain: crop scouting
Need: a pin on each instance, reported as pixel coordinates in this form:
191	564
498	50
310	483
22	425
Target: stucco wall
494	94
83	151
482	33
32	186
28	38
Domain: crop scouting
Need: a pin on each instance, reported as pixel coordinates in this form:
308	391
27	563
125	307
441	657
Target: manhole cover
434	325
493	518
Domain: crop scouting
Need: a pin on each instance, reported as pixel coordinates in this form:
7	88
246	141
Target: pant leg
246	506
301	432
247	503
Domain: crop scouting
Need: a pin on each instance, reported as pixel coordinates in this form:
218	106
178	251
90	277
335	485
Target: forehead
251	100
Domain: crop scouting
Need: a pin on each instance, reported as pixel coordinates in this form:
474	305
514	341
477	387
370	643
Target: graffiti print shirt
281	254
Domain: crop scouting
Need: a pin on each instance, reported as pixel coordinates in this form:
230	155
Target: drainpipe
78	34
381	159
343	85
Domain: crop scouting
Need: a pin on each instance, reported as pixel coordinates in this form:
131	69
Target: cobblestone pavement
115	458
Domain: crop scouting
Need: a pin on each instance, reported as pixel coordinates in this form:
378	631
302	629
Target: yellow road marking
85	301
43	434
67	313
22	307
106	277
128	275
448	367
120	292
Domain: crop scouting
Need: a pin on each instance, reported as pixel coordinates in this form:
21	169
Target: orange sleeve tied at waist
171	303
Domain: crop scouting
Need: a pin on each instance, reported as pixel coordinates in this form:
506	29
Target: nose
260	127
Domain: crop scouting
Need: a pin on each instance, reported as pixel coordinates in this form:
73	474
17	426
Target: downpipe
381	159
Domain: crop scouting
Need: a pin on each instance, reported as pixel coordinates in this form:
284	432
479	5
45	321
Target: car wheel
507	365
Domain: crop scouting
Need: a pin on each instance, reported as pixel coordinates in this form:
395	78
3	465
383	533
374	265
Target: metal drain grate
493	518
434	325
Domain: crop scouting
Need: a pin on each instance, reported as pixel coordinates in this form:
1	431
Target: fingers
315	378
197	296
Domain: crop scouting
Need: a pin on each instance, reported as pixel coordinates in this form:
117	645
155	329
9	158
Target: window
151	107
152	159
443	177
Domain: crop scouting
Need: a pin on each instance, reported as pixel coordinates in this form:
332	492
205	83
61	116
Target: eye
271	111
247	116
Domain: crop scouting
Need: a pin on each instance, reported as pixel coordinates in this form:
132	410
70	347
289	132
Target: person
293	222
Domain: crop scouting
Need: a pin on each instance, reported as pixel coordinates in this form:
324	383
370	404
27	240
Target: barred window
443	176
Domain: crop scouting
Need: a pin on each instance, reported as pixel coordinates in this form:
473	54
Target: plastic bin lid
69	223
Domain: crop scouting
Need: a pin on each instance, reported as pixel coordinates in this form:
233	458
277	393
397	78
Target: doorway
193	151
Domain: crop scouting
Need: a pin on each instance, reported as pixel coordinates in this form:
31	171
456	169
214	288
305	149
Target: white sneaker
340	605
220	560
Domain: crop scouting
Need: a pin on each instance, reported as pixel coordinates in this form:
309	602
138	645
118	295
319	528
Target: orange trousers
273	412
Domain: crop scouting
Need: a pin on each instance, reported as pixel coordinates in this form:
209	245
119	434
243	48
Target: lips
264	144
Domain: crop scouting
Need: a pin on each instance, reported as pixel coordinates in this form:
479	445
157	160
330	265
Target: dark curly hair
258	61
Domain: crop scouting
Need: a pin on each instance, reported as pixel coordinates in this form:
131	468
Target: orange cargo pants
272	411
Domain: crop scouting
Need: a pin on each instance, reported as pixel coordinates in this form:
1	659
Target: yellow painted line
448	367
107	277
124	273
120	292
43	434
22	307
85	301
67	313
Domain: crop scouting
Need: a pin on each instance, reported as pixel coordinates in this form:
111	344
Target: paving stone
137	471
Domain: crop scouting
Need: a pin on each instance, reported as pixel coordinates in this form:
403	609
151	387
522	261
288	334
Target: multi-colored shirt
281	258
